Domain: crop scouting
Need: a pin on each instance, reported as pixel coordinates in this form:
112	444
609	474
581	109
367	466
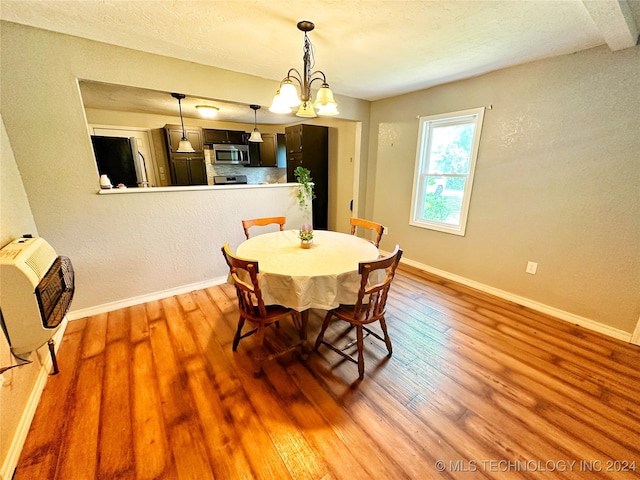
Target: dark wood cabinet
188	171
268	150
294	139
308	146
269	153
213	136
186	168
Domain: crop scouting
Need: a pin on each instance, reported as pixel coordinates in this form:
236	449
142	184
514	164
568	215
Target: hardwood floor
476	388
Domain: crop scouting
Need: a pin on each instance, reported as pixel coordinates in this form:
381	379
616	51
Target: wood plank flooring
476	388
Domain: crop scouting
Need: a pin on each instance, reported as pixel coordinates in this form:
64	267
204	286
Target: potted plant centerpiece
306	236
305	194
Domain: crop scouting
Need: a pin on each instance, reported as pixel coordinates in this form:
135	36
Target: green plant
305	189
306	232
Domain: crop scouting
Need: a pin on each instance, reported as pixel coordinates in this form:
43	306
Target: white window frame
475	115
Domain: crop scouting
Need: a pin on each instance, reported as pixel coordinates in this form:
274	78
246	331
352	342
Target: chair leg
261	352
360	340
236	339
387	340
325	324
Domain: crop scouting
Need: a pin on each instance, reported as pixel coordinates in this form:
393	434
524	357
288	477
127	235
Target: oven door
238	154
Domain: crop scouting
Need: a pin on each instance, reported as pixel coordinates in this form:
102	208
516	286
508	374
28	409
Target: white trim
635	337
127	302
20	436
526	302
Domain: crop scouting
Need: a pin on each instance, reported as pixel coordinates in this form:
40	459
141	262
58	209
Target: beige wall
158	241
557	182
15	220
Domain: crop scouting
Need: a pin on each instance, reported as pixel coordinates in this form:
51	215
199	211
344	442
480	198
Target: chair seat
347	313
274	312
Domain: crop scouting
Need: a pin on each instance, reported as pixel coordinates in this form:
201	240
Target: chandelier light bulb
278	106
289	94
306	110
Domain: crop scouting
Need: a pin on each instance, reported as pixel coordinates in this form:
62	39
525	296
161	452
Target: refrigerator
119	159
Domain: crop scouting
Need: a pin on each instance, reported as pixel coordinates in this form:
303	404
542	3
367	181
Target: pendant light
185	145
255	135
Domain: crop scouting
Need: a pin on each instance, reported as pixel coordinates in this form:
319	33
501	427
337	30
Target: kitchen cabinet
308	146
269	153
268	150
234	137
188	171
186	168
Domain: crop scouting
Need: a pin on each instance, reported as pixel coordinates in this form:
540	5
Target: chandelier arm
320	76
293	74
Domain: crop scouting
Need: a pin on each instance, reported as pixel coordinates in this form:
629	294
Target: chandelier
287	97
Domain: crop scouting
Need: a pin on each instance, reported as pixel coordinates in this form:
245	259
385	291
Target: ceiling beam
614	19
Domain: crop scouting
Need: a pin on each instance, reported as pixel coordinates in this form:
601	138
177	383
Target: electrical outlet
532	268
385	231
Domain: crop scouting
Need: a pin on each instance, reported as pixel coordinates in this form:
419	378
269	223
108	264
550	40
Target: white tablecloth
323	276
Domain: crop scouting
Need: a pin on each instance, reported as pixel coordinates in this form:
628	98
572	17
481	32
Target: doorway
144	142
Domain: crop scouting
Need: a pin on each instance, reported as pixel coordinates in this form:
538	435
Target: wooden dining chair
370	307
244	273
261	222
376	227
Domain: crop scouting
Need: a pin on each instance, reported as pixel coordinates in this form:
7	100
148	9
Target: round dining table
323	276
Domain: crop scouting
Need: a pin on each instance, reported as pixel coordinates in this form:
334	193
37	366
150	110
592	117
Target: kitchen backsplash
254	174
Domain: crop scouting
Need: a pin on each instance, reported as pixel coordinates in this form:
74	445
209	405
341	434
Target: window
445	161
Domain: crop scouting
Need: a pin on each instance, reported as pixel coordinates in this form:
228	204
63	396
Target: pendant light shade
185	145
256	136
288	94
306	110
278	105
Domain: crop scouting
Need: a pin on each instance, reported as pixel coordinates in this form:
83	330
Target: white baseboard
526	302
127	302
20	436
635	337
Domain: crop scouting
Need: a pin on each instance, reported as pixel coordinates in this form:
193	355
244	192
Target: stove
230	180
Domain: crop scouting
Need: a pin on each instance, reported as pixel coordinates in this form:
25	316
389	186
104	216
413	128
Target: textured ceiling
368	49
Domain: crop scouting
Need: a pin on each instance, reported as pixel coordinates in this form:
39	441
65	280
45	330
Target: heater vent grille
39	261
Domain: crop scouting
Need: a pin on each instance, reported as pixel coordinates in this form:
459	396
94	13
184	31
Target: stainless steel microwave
235	154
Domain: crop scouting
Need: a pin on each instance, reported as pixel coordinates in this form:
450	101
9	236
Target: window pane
443	199
443	175
450	148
